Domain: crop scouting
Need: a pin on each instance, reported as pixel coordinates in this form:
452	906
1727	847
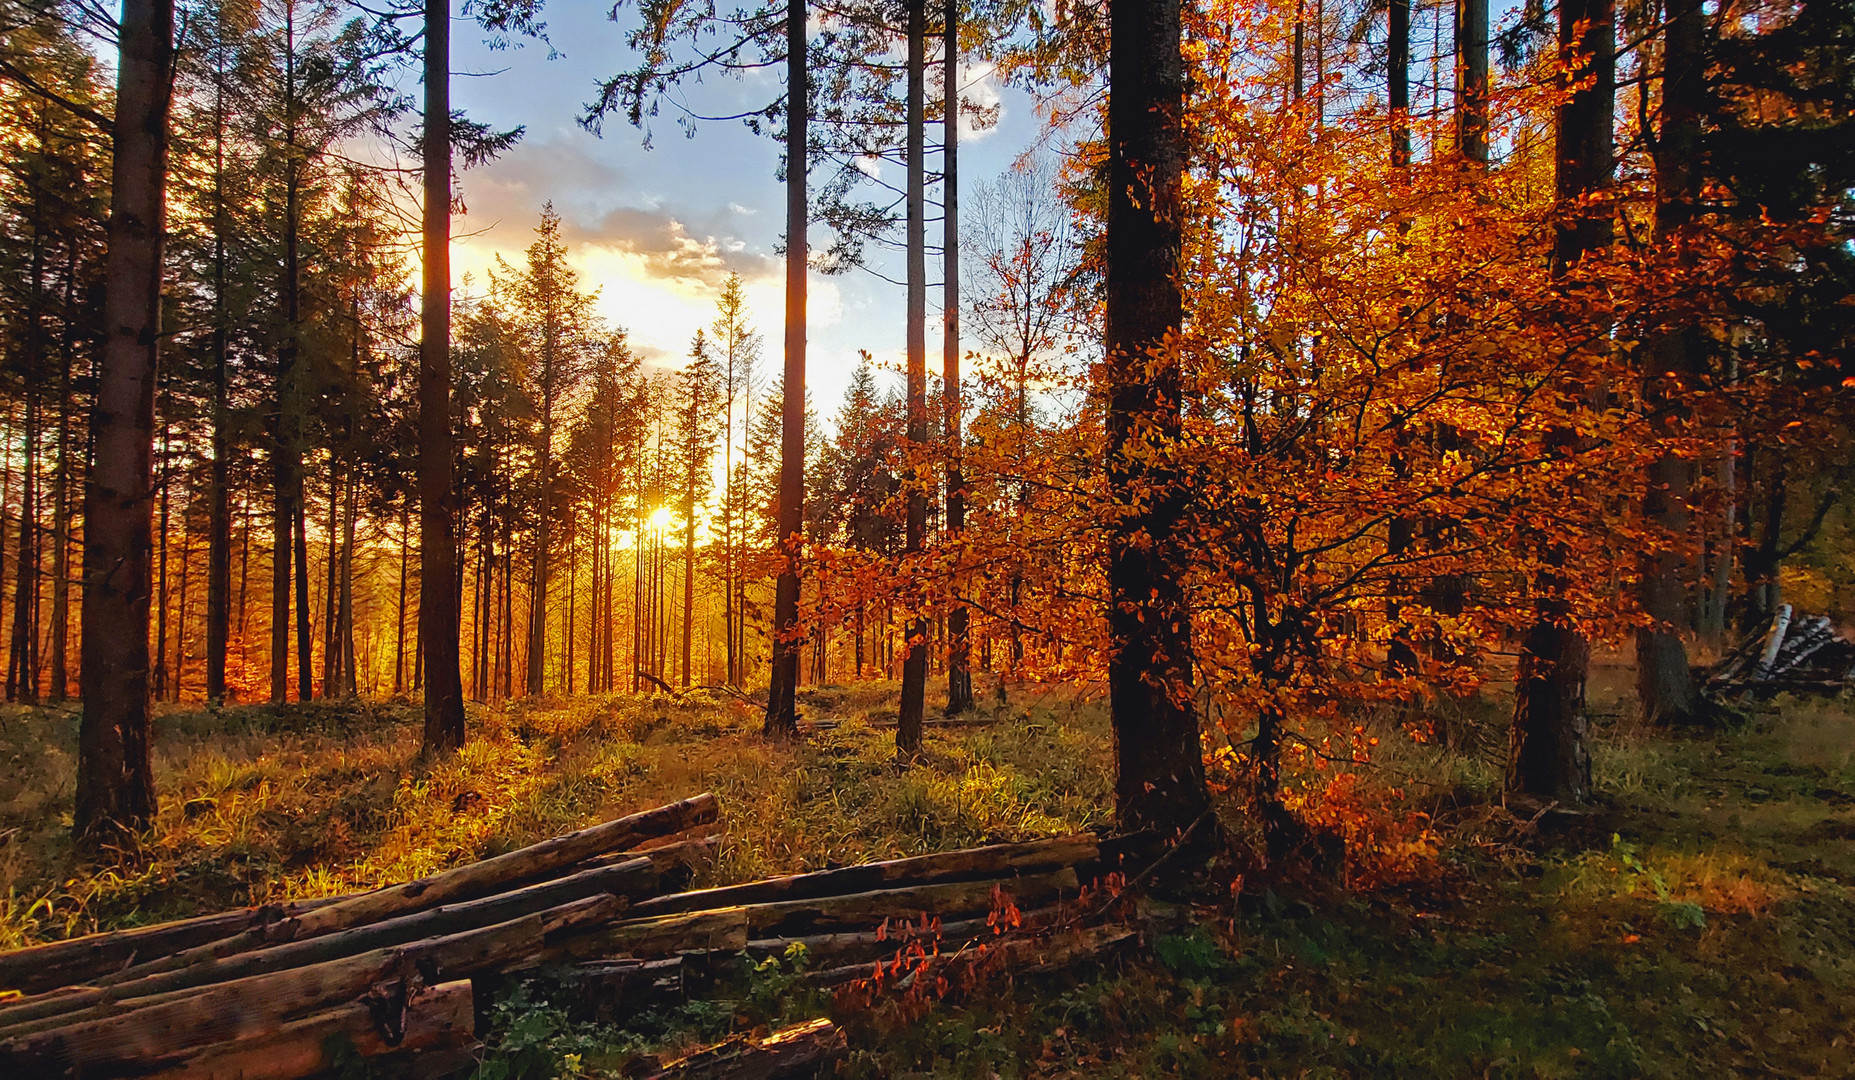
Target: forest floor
1700	921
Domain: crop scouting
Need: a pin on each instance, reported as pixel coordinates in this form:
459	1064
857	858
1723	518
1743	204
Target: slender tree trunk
1159	780
219	524
305	645
22	663
1547	755
1472	80
61	498
781	707
914	665
689	574
115	785
438	623
959	651
1664	684
180	614
1398	82
399	611
344	627
331	651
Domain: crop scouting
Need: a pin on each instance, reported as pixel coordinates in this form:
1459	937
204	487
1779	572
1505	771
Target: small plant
1680	914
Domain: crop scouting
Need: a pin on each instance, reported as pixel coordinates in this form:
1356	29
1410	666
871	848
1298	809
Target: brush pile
1793	653
402	973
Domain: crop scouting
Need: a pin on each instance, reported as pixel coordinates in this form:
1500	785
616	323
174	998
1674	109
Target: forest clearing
1366	586
1700	922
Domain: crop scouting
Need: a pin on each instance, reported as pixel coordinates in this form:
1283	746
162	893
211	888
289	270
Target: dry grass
260	804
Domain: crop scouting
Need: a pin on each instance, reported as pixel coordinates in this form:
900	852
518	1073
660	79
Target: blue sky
656	231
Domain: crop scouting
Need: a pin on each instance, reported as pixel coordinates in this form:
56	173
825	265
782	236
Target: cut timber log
39	968
155	1028
731	928
801	1050
871	944
611	991
998	860
437	1018
863	909
666	935
637	877
465	882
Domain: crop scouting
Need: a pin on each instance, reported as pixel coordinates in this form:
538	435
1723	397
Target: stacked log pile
292	990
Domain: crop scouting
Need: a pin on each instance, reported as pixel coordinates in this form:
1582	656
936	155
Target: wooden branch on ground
154	1028
466	882
437	1018
801	1050
630	878
870	944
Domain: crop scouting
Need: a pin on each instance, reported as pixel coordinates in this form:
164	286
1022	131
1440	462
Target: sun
661	519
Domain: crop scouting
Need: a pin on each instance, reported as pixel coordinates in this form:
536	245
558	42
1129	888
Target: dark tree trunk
1547	756
1664	684
959	646
438	601
781	706
305	645
399	611
914	662
22	657
1159	782
219	524
1398	81
1472	80
115	785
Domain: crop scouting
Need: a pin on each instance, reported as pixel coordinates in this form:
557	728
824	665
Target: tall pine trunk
914	663
959	648
219	510
781	706
61	496
438	599
1159	781
1472	80
115	784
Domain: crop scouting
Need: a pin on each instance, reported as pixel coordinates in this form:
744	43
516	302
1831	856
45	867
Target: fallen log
858	910
631	878
801	1050
997	860
152	1029
437	1018
870	944
731	928
38	968
666	935
465	882
607	991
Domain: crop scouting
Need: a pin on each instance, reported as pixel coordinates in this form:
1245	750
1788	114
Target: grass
1700	921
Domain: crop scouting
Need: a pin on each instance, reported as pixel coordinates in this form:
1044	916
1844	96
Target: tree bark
219	524
1159	782
1398	81
781	707
438	600
1472	80
959	646
115	784
914	661
1665	686
1547	755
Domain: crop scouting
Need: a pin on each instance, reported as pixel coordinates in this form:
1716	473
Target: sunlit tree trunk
1159	781
1472	80
914	662
438	598
781	708
115	784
